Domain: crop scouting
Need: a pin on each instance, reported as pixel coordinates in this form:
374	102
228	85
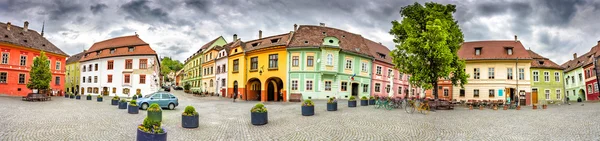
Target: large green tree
427	41
167	65
40	75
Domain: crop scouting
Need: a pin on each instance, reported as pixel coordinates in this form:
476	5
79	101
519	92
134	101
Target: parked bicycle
424	107
410	106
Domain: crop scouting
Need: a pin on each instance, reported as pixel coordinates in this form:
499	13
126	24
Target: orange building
18	48
444	90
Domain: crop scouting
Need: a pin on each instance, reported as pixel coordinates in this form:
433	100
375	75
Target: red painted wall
591	95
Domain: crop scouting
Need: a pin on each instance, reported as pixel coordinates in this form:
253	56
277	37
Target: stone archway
253	90
274	86
581	95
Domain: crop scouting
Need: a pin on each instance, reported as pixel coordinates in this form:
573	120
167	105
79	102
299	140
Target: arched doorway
82	90
274	87
581	95
235	87
253	89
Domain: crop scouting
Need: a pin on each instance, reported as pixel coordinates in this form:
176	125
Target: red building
591	81
18	47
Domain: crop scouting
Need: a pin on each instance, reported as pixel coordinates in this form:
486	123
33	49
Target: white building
221	73
120	66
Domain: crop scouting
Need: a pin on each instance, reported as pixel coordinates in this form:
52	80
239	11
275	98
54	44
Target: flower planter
495	107
534	107
308	110
114	102
88	97
122	105
156	116
67	96
78	97
371	101
143	136
505	107
72	96
133	109
139	96
544	106
351	103
99	99
364	102
189	121
259	118
332	106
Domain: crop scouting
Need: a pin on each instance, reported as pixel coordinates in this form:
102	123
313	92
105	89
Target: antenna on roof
43	24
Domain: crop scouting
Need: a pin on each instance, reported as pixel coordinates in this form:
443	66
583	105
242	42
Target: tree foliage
40	75
167	65
427	41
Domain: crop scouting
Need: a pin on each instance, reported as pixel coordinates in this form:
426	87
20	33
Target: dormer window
509	50
274	40
255	44
331	41
130	49
541	62
478	51
381	55
112	50
305	42
97	52
324	33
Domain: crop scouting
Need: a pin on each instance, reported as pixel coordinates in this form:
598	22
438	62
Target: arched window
211	83
329	59
126	91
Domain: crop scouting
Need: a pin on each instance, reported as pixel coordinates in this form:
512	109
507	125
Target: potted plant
495	107
371	100
364	101
545	105
133	108
155	112
115	100
308	108
88	97
189	118
99	98
151	130
534	106
481	107
332	104
67	95
352	101
122	104
71	96
139	95
259	115
77	96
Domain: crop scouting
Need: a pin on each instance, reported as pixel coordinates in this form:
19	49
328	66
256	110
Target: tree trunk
435	90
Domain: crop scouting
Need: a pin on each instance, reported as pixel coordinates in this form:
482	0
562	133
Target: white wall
221	59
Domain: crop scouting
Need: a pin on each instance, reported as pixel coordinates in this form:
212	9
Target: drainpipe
518	77
596	69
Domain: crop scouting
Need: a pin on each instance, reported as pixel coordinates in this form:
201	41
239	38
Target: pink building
383	69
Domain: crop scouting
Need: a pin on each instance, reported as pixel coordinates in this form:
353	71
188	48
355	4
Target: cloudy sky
555	29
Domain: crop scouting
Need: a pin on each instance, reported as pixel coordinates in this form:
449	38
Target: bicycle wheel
407	108
425	109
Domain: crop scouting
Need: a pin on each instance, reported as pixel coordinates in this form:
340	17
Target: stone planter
133	109
114	102
351	103
332	106
78	97
189	121
67	96
308	110
371	101
544	106
143	136
122	105
259	118
72	96
99	99
89	97
364	102
156	116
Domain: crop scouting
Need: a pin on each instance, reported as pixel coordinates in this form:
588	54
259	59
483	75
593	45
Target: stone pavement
221	119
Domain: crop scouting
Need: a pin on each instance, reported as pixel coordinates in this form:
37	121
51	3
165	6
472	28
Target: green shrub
89	95
115	98
123	100
133	102
154	108
363	98
332	100
376	97
99	96
190	111
352	98
259	108
371	97
308	102
151	126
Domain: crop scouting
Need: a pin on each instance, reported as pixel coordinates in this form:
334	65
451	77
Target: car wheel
144	106
171	106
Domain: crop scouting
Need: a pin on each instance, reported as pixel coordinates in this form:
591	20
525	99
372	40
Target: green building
72	70
547	85
193	65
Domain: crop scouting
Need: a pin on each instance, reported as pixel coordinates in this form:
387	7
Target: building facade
18	48
222	67
546	80
266	68
72	78
121	66
208	69
194	66
383	73
574	78
236	71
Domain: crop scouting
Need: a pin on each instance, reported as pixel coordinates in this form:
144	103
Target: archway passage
581	96
235	88
274	89
253	90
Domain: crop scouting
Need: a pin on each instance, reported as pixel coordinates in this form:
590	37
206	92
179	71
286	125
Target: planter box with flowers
308	108
151	130
189	118
67	95
364	101
352	101
155	112
122	104
371	100
259	115
72	96
88	97
115	100
133	108
332	104
77	96
99	98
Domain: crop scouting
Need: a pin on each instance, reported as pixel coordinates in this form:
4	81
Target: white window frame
342	86
521	73
476	73
547	94
5	59
309	85
595	87
23	62
378	71
445	92
330	59
557	76
57	67
294	86
348	64
509	74
377	87
364	67
387	88
327	86
546	76
390	72
558	94
536	76
491	73
365	88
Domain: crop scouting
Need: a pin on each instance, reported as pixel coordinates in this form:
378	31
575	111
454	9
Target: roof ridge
266	37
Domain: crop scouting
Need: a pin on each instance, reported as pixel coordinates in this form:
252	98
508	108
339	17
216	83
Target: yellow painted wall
209	66
263	62
239	76
500	81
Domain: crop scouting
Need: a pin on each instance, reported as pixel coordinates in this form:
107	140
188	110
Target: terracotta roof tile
30	38
377	49
123	41
120	46
542	62
75	58
265	42
492	50
582	60
312	36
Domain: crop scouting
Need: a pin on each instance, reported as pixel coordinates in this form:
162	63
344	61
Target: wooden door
534	97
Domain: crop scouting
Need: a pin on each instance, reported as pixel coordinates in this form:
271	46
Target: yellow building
208	70
72	79
194	64
236	76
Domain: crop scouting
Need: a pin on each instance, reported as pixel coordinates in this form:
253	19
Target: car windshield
148	96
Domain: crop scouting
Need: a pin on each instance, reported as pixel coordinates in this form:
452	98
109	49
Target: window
378	71
595	87
309	85
57	67
556	76
348	64
327	85
89	79
400	75
567	93
114	90
253	63
344	86
142	79
476	93
223	82
126	91
476	73
387	88
329	59
558	94
521	73
95	67
109	78
112	50
309	61
110	65
377	87
399	90
589	88
23	60
547	94
57	81
211	83
365	88
477	51
83	68
21	78
3	77
295	61
130	49
127	79
547	76
294	84
143	63
573	79
535	76
95	79
83	80
273	58
580	78
509	74
390	72
236	65
509	51
4	57
128	64
492	93
490	73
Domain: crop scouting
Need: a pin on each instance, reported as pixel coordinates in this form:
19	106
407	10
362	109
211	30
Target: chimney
516	40
599	43
26	24
259	34
8	26
296	27
574	56
234	37
322	24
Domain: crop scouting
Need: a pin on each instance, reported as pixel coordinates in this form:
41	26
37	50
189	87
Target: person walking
235	95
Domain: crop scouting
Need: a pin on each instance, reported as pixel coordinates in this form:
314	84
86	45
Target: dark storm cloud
98	8
199	5
63	9
140	11
559	12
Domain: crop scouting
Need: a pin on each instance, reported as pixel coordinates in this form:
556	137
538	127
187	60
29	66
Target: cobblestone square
221	119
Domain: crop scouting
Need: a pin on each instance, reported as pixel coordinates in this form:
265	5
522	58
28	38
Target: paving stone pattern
221	119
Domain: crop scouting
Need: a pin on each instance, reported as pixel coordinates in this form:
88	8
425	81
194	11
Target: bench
35	96
295	97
